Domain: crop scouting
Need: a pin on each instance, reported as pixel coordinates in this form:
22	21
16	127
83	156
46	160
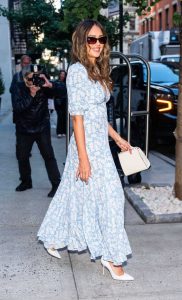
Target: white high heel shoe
53	252
124	277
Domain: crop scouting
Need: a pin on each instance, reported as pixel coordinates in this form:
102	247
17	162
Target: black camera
36	79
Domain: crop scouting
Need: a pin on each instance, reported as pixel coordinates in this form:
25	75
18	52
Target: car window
173	59
162	74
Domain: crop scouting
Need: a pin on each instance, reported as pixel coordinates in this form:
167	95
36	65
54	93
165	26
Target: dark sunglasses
91	40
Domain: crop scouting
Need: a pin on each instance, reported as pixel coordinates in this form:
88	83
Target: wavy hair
79	54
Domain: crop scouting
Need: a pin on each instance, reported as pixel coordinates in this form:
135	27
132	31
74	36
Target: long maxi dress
88	216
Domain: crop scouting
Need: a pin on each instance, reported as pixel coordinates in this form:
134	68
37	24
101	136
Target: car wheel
135	178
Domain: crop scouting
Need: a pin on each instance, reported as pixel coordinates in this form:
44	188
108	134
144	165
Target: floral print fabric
89	216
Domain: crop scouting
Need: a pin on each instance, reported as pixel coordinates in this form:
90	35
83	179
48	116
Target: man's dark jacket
17	77
32	114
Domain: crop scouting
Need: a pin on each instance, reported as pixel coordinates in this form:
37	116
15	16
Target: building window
167	19
151	24
175	8
147	25
160	21
16	4
132	24
143	27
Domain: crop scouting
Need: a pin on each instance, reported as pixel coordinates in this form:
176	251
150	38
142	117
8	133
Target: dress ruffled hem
117	261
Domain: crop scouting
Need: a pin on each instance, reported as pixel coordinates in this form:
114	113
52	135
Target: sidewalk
27	272
5	106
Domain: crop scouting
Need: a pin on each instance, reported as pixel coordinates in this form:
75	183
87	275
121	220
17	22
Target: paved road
27	272
167	149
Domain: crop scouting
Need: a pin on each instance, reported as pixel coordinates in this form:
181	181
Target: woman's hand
123	144
84	170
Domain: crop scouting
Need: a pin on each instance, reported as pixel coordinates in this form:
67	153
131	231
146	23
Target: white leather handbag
133	162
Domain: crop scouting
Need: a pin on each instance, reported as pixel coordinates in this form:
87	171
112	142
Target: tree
178	130
75	11
39	18
35	18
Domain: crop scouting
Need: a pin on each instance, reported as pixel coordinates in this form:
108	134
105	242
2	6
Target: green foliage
142	6
177	18
40	17
34	18
2	86
75	11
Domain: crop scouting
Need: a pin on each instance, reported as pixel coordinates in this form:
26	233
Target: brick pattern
160	17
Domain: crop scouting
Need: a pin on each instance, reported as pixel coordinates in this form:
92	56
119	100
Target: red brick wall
162	15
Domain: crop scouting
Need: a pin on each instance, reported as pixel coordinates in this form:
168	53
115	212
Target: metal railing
130	113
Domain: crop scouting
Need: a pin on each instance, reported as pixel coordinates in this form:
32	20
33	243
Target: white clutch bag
134	162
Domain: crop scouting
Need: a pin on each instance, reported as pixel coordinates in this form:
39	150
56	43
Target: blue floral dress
89	216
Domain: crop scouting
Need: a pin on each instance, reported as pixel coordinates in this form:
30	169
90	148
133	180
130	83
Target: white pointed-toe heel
124	277
53	252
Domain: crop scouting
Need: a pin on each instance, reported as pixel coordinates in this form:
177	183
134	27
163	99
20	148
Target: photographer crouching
30	104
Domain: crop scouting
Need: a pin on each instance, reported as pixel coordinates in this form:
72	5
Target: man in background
30	105
25	62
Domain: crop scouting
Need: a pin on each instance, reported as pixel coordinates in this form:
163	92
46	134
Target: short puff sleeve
77	89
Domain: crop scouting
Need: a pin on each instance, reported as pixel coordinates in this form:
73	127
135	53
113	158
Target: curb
164	158
144	211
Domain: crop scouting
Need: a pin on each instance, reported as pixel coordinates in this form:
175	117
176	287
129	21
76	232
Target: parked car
163	100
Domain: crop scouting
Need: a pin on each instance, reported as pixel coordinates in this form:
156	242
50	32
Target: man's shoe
53	191
23	187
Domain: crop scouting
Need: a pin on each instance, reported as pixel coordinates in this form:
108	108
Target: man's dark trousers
24	147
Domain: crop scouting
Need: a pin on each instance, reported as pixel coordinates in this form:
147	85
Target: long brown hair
79	53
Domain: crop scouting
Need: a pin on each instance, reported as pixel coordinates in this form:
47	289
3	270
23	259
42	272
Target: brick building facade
160	17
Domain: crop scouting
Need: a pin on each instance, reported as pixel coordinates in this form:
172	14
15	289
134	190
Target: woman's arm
84	169
123	144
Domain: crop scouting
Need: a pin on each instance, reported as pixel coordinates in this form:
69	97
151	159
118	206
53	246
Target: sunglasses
91	40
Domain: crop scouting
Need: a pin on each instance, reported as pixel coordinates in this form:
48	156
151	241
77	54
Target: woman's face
62	76
94	50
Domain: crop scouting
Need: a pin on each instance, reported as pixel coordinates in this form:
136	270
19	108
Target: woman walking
87	211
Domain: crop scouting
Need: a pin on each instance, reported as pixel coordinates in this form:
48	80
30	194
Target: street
166	149
29	273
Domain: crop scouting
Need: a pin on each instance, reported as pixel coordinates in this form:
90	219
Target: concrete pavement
27	272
